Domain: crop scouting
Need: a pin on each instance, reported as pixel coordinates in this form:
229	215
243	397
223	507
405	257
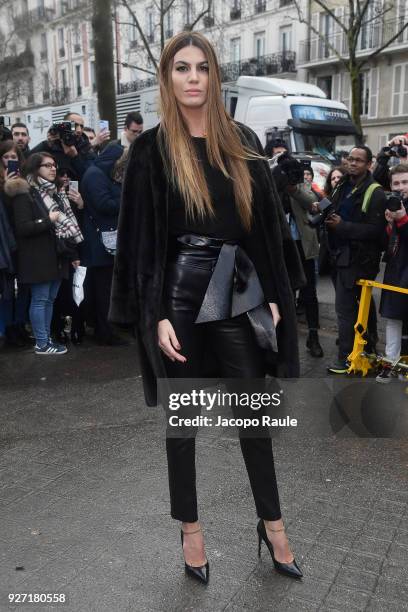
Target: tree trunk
356	99
104	66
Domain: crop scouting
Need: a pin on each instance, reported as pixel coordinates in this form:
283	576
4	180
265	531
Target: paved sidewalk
84	501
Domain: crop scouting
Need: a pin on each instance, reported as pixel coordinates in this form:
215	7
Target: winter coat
394	305
101	210
142	252
358	256
37	259
300	201
7	247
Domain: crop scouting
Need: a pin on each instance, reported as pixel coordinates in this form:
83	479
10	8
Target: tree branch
125	3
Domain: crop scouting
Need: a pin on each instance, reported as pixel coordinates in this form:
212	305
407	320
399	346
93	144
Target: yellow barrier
358	361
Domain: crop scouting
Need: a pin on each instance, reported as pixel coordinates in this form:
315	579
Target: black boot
313	344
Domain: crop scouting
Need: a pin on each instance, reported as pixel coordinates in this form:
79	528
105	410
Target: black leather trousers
233	342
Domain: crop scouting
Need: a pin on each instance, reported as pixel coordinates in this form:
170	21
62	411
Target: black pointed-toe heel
201	572
288	569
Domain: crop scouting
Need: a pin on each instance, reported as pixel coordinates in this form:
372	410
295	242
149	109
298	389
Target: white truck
300	113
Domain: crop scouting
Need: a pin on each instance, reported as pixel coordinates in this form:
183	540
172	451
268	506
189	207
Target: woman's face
308	176
64	179
48	169
335	178
190	77
10	155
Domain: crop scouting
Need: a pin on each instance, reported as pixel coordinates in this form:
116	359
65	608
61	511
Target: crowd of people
59	209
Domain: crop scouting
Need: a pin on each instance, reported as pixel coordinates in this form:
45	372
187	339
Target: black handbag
65	248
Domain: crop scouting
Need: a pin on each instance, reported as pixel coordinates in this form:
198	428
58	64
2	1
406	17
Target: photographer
397	148
355	231
69	145
297	201
393	305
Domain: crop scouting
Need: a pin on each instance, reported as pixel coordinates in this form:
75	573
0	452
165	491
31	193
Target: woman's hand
168	341
76	197
275	313
53	215
10	176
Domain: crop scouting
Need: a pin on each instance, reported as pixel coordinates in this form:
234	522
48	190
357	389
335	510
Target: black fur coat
142	249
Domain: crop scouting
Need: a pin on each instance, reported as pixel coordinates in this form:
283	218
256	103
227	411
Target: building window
168	24
64	81
78	80
285	39
93	77
235	12
76	36
400	90
150	25
44	48
30	91
46	87
325	83
61	42
259	44
365	92
235	49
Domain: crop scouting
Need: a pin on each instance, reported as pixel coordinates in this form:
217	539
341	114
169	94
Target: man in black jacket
76	158
355	237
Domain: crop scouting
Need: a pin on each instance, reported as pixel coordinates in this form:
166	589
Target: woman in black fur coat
203	262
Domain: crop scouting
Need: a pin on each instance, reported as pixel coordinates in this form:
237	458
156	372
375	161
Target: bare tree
162	7
104	67
351	26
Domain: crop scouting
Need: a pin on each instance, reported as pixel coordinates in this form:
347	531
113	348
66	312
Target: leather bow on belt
234	289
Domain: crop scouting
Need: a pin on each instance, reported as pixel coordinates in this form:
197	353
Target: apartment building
384	80
48	59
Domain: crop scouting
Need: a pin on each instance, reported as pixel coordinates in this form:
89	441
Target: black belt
234	289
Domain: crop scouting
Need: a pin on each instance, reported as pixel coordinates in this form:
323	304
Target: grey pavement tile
398	554
401	537
310	589
391	590
380	531
8	495
357	579
395	571
381	605
335	537
346	598
363	562
389	506
365	544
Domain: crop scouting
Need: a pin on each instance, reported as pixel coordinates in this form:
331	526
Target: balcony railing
30	98
31	19
264	65
150	38
23	61
46	96
168	33
235	14
260	6
372	36
132	44
79	91
61	96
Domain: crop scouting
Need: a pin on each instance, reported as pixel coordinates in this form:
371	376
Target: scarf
67	226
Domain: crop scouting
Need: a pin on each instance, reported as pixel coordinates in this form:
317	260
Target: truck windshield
326	146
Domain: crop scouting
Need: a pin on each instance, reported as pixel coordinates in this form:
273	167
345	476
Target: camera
326	208
289	171
394	200
396	151
65	131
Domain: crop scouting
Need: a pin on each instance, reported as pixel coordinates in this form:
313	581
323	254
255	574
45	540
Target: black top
226	222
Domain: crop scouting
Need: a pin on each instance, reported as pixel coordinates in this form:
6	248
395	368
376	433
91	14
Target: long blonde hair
225	149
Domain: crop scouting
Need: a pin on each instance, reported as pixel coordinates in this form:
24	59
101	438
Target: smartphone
73	185
103	124
13	165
